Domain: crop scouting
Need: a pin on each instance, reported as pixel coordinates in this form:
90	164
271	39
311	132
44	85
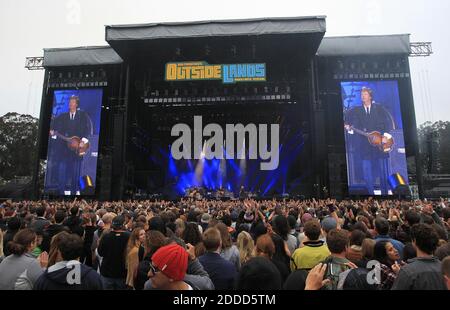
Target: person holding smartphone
337	242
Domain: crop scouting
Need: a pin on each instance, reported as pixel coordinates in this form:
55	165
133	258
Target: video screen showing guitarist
369	130
70	131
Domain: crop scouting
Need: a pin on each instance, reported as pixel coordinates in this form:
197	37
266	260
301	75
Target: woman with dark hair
191	234
281	228
385	253
153	241
281	258
20	270
266	247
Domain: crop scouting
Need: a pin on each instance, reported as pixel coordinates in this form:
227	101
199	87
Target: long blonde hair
246	246
133	241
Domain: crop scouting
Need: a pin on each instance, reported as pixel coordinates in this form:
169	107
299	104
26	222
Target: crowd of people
224	245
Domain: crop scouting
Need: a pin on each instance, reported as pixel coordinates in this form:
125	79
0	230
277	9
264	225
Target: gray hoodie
19	272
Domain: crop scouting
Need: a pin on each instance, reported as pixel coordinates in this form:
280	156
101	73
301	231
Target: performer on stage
369	127
70	130
242	193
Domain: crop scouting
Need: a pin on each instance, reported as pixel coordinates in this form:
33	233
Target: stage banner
73	142
374	140
228	73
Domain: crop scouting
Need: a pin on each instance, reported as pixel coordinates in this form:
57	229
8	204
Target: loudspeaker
105	178
336	174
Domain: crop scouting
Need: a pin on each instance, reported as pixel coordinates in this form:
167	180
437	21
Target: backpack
334	269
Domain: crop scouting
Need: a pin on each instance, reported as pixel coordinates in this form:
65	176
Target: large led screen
374	140
73	142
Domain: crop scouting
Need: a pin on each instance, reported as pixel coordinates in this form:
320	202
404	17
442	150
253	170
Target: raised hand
315	280
43	259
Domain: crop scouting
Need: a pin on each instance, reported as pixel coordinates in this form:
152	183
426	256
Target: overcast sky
28	26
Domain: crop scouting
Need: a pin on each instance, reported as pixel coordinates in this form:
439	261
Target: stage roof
81	56
303	33
311	29
365	45
215	28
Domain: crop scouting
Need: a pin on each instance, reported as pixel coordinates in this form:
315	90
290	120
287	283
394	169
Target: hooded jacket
69	275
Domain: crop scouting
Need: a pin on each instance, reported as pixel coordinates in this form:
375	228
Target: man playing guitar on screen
369	128
70	130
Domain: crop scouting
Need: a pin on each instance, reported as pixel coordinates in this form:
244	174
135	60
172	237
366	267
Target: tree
18	140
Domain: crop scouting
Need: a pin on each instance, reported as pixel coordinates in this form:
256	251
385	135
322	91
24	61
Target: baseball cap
118	221
205	218
306	217
329	223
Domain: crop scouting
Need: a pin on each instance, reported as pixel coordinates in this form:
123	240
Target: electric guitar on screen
73	143
375	138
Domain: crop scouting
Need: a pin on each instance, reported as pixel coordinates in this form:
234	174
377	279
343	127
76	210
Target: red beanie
172	260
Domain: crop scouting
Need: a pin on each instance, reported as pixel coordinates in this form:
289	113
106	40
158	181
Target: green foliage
18	145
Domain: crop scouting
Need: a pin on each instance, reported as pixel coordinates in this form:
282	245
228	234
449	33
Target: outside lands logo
228	73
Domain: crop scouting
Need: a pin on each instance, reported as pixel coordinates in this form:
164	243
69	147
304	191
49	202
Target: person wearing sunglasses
168	268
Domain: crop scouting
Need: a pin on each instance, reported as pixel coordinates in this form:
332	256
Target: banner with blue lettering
228	73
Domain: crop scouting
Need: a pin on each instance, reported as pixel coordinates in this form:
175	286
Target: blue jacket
222	272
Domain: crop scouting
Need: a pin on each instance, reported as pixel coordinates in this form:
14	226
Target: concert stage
265	71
